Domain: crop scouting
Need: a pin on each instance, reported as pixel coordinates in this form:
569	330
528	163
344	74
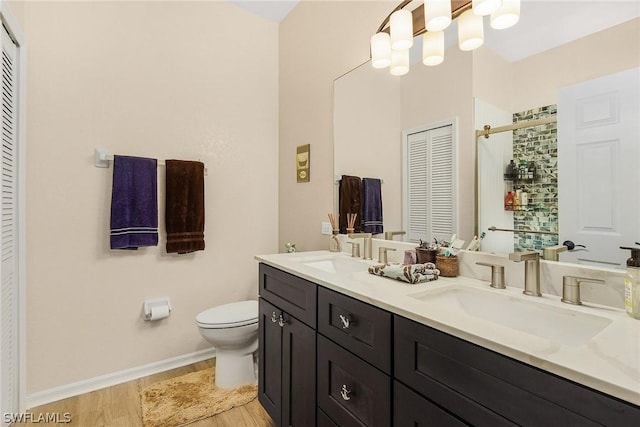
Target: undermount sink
336	263
524	314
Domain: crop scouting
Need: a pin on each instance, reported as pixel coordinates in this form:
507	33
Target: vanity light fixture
391	43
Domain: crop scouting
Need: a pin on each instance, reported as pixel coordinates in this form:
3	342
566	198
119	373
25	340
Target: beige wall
319	41
534	81
190	80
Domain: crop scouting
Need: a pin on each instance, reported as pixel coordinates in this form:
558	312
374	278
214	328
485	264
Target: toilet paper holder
156	303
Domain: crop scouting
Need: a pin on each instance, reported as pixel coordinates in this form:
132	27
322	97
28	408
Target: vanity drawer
290	293
449	370
359	327
412	410
350	391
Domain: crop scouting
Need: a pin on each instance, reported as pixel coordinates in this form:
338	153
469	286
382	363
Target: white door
599	168
8	230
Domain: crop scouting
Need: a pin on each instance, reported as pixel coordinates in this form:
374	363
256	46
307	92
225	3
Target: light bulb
380	50
432	48
507	15
470	31
437	14
485	7
399	62
401	28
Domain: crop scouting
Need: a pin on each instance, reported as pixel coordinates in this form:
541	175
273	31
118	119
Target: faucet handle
571	288
355	249
497	274
382	254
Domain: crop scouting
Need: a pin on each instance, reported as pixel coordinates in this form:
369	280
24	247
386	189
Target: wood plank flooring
119	406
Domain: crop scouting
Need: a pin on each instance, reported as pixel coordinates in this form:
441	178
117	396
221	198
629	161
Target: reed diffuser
351	222
334	243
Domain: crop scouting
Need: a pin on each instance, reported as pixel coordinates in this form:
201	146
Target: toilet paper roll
159	312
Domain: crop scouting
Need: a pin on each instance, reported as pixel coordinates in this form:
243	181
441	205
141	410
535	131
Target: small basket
448	265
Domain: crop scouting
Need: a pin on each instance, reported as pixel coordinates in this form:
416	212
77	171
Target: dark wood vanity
328	359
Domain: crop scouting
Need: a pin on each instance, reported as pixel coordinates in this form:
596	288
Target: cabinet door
412	410
361	328
298	373
350	391
270	361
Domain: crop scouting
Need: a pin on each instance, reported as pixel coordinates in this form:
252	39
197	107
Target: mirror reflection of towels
349	201
372	205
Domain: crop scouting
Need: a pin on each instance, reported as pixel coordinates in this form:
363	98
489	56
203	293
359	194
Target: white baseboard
108	380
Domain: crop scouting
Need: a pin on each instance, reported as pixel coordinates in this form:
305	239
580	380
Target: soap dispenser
632	283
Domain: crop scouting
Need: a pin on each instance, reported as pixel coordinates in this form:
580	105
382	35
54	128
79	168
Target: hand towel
134	202
371	205
184	215
410	273
349	202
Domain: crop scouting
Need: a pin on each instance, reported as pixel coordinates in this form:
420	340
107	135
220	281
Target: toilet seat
231	315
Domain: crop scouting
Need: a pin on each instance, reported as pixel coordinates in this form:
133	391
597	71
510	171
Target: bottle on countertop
524	197
508	201
510	172
632	283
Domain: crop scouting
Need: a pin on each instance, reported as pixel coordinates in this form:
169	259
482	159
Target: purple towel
134	203
371	205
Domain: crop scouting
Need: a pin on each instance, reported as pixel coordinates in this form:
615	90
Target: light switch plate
326	228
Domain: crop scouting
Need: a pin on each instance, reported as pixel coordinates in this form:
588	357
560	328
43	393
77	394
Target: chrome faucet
550	253
531	271
388	235
367	243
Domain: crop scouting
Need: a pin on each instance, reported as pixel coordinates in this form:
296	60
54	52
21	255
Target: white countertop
609	361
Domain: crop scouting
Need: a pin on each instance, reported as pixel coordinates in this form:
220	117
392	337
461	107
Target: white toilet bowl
233	330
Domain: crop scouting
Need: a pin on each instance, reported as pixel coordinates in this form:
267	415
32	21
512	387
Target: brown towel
349	201
184	214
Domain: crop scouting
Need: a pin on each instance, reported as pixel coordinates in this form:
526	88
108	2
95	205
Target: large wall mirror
556	51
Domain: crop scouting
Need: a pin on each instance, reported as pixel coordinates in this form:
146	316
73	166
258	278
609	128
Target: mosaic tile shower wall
540	145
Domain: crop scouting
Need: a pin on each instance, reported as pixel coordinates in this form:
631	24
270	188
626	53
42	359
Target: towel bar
103	158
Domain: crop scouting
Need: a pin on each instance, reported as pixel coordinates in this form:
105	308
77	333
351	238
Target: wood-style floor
119	406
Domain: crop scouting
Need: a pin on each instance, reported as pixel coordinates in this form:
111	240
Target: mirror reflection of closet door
599	176
429	184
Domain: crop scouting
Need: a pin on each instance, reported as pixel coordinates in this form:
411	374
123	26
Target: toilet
233	330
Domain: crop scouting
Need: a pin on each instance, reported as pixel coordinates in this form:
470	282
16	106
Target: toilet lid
230	315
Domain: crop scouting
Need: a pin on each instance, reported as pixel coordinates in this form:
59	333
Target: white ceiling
273	10
543	24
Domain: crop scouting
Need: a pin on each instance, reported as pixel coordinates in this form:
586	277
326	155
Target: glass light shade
485	7
433	48
507	15
380	50
437	14
401	24
399	62
470	31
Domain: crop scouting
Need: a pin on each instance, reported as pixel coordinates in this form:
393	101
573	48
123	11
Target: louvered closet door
429	203
8	226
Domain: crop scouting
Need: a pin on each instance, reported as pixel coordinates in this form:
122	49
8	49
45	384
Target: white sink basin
524	314
337	265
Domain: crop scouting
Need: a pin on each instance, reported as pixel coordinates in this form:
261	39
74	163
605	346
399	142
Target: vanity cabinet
483	387
354	361
330	360
287	350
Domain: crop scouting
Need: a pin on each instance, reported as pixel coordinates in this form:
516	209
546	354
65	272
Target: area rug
188	398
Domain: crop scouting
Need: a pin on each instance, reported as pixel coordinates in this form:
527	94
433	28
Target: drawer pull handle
346	321
282	321
274	317
345	392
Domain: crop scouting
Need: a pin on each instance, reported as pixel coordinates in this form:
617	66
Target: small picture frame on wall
303	158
